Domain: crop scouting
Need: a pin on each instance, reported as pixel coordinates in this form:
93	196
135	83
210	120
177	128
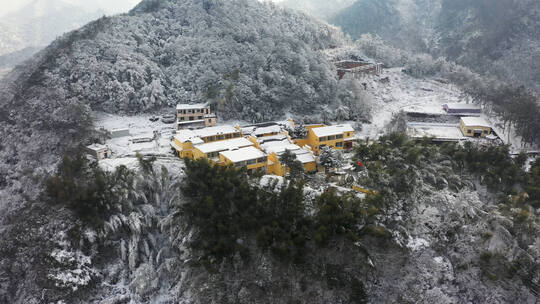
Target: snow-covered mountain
40	22
322	9
501	39
250	60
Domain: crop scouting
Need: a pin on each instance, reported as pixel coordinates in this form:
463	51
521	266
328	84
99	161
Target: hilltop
248	59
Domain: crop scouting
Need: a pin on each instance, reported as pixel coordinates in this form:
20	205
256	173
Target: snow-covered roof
332	130
213	131
191	106
305	157
224	145
475	122
243	154
97	147
188	135
267	130
267	139
462	106
280	147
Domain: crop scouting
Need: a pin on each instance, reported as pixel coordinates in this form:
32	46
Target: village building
251	158
357	69
276	167
211	150
462	109
336	137
274	146
267	128
98	151
218	133
475	127
194	116
185	141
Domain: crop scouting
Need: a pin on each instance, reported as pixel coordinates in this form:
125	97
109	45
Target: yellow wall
313	141
255	142
301	142
465	129
198	154
276	168
186	151
225	161
310	167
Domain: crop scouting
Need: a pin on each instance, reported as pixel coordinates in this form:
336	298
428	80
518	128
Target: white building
98	151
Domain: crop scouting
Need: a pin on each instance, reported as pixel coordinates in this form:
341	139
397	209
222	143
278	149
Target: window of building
199	117
339	144
340	136
331	137
486	132
322	139
251	162
191	118
236	135
220	137
469	131
211	138
181	118
262	160
228	136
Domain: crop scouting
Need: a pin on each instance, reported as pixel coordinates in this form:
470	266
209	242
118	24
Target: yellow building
213	134
186	140
337	137
211	150
475	127
251	158
275	146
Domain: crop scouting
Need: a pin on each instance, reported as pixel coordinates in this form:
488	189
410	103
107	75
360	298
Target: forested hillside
491	38
250	60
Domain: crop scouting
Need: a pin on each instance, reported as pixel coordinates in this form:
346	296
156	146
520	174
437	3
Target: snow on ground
405	93
441	131
139	127
427	96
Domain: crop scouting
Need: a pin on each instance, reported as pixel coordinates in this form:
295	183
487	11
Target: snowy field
427	96
139	127
405	93
441	131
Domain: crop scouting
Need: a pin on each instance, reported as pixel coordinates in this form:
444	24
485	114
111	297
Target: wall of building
337	144
465	130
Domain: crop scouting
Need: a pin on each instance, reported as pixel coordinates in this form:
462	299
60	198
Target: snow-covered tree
330	158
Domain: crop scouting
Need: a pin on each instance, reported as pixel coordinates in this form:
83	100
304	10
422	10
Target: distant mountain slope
323	9
251	60
12	59
501	38
40	22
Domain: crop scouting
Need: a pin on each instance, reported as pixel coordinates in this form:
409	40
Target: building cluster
471	124
260	147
